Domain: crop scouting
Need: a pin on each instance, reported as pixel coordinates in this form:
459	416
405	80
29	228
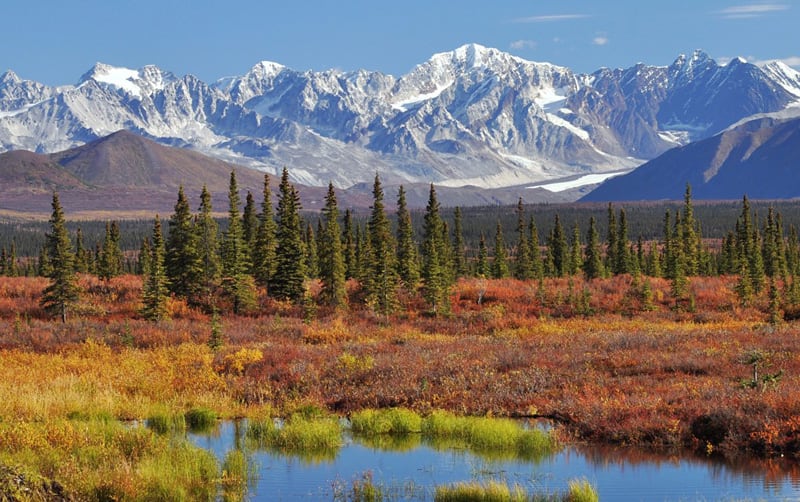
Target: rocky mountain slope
472	116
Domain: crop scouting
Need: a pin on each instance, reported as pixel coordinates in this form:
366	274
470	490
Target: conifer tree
381	278
622	257
575	251
331	259
145	252
593	262
110	262
500	263
459	255
249	225
482	267
43	266
611	241
363	253
81	253
208	250
182	260
62	291
310	252
289	277
535	255
669	262
436	284
12	269
557	247
236	282
263	251
155	291
3	261
349	247
523	269
407	268
690	235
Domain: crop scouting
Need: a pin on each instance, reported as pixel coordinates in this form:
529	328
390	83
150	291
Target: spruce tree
236	281
287	282
537	267
155	291
593	262
407	268
263	251
622	257
331	259
575	251
145	254
81	253
182	260
482	267
310	250
349	247
523	269
63	290
611	241
110	262
436	284
381	278
208	251
500	263
3	261
690	236
459	254
557	247
250	226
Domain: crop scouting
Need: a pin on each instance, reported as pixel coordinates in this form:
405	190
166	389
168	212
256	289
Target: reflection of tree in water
769	473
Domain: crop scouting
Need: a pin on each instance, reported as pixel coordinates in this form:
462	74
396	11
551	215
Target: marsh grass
200	419
312	440
236	474
385	421
580	490
164	422
107	460
492	437
390	442
492	491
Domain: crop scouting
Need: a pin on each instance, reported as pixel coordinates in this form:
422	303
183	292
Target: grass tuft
387	421
200	419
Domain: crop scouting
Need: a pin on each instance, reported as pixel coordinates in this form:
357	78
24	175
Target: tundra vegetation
674	342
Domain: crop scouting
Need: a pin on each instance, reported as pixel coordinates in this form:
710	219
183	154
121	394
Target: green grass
313	440
492	491
495	437
386	421
164	422
200	419
580	490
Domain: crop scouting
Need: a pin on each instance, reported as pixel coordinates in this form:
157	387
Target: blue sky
54	41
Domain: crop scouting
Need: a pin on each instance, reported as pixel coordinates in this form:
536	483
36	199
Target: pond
410	469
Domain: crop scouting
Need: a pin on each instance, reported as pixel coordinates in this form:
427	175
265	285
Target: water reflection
409	468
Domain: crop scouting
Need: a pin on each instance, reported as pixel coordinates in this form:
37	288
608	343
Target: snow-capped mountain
474	115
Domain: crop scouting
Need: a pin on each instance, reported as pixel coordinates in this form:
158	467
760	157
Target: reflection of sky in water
617	474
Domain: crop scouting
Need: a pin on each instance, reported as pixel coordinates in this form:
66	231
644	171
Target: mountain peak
121	78
9	77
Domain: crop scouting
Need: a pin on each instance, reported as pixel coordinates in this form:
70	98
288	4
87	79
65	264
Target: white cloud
600	40
523	44
751	10
550	18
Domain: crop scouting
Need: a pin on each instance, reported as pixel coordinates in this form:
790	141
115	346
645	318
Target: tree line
276	250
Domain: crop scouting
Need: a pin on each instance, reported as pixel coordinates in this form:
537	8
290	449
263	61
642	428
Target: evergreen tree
436	285
12	270
459	255
250	226
575	251
622	257
381	278
182	260
407	268
523	268
155	291
236	282
349	247
62	290
331	259
145	252
557	247
669	262
110	262
81	254
310	253
535	255
3	261
288	279
500	263
593	263
482	269
208	250
611	241
44	267
263	251
793	252
363	253
690	236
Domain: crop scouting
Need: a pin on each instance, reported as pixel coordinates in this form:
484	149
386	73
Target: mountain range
474	116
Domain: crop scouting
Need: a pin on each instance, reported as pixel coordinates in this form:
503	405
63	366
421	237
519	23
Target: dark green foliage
611	241
593	262
143	263
182	260
154	291
482	269
287	282
263	251
331	259
82	255
500	262
208	252
236	281
622	257
249	225
381	278
558	250
110	260
523	268
62	291
216	338
435	275
311	259
407	267
349	247
575	251
535	254
459	257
